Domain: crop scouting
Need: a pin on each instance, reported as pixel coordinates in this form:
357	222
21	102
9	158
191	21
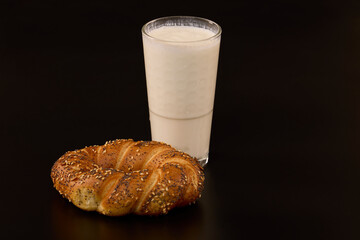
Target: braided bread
124	176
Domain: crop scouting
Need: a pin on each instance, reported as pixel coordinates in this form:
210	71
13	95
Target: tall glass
181	58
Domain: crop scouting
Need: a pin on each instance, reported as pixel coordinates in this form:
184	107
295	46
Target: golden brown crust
123	176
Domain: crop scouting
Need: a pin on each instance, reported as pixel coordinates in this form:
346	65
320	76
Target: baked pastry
124	176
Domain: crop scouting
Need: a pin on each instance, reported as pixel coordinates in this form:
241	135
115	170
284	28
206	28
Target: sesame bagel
124	176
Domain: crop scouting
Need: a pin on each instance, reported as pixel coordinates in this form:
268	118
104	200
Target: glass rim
216	34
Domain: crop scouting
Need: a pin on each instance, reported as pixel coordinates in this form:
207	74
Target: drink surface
181	33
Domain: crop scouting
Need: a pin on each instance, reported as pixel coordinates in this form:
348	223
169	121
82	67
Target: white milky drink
181	58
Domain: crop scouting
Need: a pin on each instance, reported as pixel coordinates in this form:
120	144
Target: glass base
203	161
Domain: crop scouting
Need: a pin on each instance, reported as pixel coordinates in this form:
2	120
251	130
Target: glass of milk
181	58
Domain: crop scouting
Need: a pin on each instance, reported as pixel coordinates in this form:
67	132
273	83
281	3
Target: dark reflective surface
284	155
69	223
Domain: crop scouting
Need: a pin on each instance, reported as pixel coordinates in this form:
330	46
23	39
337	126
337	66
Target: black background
284	156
